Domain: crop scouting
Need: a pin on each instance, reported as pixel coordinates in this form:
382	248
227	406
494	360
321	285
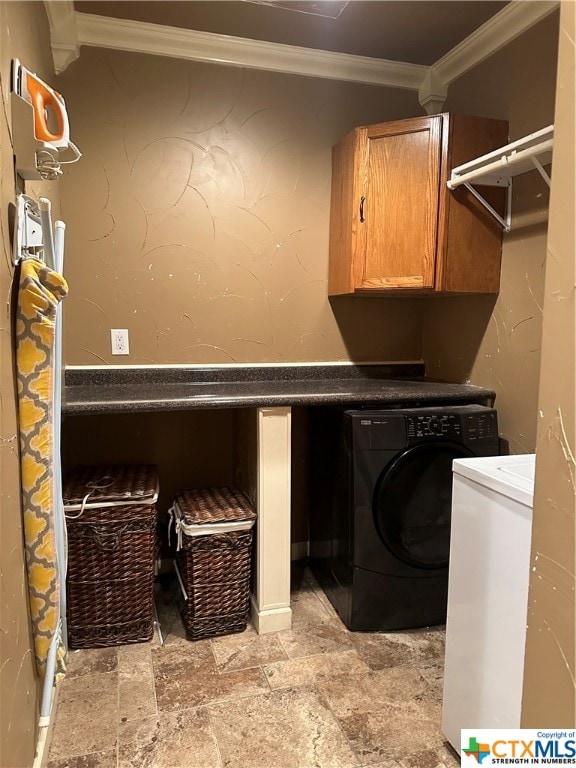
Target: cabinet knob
362	200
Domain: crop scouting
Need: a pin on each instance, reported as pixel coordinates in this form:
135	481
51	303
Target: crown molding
433	93
142	37
60	13
62	19
501	29
70	29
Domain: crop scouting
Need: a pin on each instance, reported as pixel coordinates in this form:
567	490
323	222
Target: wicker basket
214	558
111	524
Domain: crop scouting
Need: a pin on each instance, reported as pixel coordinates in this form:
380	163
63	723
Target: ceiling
415	31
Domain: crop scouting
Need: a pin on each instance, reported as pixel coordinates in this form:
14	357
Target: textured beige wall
24	34
496	343
550	665
198	217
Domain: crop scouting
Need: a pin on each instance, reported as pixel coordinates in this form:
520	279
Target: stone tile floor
314	696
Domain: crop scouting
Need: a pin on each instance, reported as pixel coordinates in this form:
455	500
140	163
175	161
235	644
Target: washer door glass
412	503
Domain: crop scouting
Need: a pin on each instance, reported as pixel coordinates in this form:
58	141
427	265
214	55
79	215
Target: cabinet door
400	166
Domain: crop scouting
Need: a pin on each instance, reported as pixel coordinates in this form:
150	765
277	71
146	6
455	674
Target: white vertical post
45	208
271	602
59	518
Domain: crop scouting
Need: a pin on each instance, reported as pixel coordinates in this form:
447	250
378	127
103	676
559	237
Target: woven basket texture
216	568
111	554
107	635
214	505
132	483
214	626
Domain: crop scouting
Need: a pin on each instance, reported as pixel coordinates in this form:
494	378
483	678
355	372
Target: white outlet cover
119	341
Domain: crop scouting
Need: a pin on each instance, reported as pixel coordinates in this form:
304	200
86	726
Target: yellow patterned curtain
40	290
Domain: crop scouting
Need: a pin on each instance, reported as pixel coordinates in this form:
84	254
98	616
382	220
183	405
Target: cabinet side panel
472	236
342	216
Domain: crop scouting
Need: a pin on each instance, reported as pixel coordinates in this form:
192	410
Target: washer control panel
472	427
429	425
480	426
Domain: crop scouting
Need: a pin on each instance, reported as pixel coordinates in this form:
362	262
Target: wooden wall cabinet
395	227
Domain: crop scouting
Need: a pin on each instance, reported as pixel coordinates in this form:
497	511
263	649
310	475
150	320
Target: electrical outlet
120	345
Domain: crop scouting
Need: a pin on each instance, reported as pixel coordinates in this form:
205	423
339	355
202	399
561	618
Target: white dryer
487	593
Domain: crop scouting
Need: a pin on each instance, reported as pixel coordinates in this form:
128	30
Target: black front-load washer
381	507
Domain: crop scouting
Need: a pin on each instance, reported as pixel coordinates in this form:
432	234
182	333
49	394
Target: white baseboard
273	620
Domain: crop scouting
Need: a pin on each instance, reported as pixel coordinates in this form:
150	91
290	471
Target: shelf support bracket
497	168
507	222
541	171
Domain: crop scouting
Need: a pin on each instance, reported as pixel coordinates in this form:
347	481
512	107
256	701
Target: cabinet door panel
401	208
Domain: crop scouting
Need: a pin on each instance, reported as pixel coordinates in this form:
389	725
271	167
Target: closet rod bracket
497	168
505	223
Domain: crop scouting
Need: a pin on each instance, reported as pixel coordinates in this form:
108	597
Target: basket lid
111	484
214	505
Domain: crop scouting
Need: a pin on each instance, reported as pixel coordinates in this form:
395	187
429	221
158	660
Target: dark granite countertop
123	390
